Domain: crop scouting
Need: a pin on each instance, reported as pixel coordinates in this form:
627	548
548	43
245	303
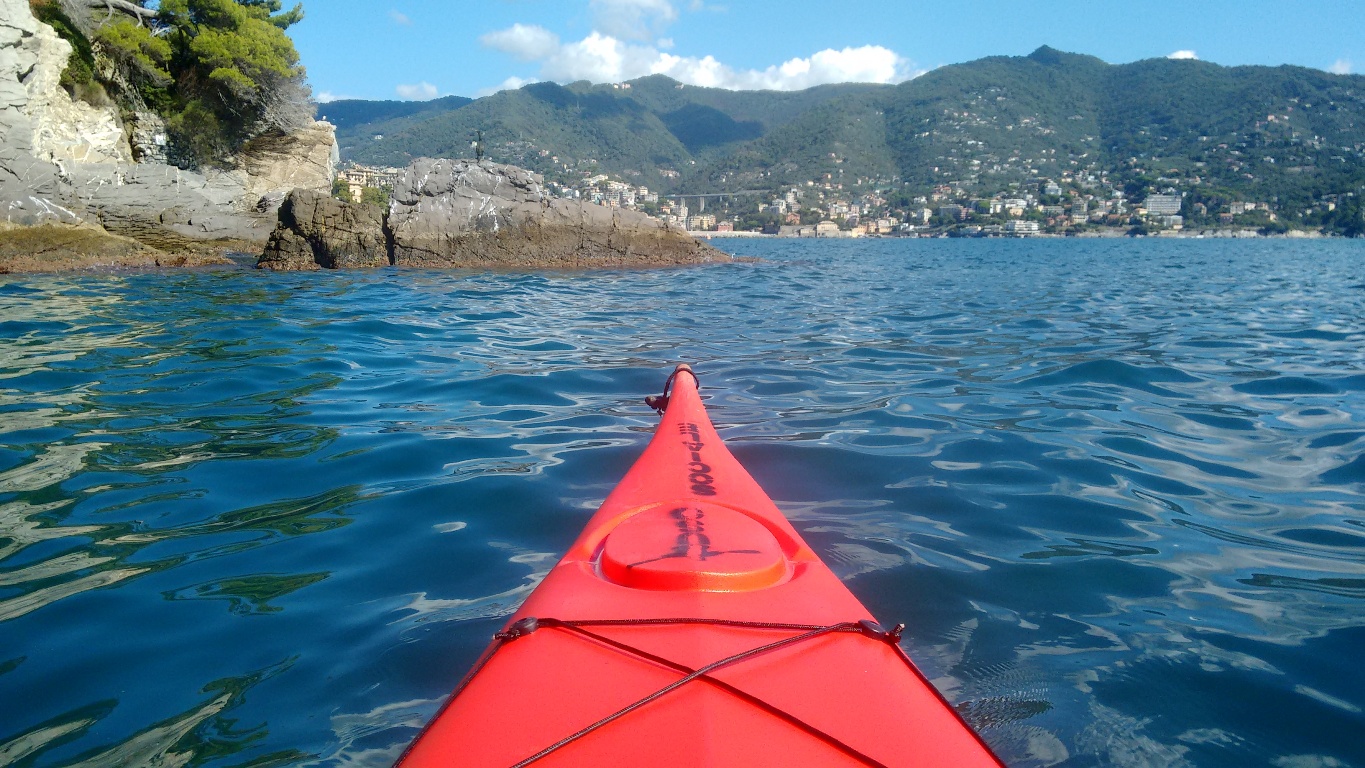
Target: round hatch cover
693	545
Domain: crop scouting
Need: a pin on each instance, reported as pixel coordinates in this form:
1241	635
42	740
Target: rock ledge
62	248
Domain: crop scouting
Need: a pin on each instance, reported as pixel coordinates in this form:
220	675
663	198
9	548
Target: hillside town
1073	204
989	165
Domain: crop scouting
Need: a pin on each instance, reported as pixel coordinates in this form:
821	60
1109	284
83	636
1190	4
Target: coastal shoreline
59	249
1110	232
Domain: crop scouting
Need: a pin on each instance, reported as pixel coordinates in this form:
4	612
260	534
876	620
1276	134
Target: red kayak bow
689	625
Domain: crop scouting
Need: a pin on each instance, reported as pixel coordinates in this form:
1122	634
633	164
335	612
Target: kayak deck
690	625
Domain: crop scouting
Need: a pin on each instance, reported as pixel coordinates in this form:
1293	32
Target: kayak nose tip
660	402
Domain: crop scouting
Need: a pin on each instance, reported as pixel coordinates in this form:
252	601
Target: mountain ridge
1251	131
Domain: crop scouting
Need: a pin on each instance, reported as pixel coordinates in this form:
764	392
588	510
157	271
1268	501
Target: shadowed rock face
459	213
321	232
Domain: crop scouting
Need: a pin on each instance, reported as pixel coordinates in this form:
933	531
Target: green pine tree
220	72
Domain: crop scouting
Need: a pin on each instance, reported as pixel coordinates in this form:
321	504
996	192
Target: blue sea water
1114	488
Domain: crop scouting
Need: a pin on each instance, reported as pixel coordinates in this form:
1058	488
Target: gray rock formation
26	182
65	162
473	214
460	213
168	208
147	137
320	232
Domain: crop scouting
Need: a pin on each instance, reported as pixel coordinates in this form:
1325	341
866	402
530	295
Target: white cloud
526	42
326	97
400	18
632	19
866	64
602	58
619	48
419	92
1341	67
1187	54
599	58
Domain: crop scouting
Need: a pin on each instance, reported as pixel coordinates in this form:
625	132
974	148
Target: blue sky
420	49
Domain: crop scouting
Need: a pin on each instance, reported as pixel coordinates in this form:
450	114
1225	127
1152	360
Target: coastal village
989	165
1073	203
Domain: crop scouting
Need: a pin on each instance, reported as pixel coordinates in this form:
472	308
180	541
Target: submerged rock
320	232
460	213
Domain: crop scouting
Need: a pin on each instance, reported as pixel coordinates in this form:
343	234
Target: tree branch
126	6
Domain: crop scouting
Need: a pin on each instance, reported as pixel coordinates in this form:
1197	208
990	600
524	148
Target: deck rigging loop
865	628
660	402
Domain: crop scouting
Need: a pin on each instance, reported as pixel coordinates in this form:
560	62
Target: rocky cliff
66	162
458	213
36	114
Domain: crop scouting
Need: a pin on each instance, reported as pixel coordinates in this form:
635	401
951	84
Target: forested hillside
656	131
1283	133
357	118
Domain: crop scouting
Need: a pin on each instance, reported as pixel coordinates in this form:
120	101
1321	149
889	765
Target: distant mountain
358	119
1254	132
1259	131
654	129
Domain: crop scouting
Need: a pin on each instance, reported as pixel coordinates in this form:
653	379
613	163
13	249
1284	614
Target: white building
1163	205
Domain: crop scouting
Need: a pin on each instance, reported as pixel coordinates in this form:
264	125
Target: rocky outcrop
473	214
460	213
168	208
320	232
66	162
147	137
27	183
